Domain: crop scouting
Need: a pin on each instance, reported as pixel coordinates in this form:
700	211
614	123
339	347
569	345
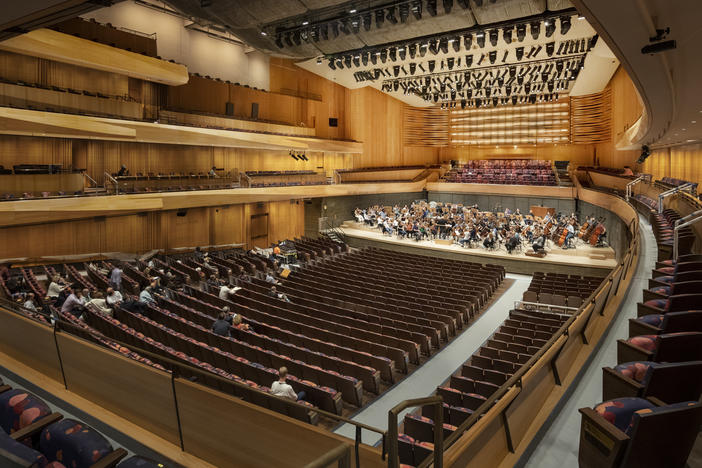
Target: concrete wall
500	202
618	235
340	209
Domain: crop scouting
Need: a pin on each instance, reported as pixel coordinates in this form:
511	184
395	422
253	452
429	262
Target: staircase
562	175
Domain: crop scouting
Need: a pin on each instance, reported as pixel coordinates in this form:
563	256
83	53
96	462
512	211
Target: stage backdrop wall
500	202
340	209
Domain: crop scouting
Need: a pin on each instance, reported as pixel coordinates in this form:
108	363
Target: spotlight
404	12
357	60
550	27
347	61
456	43
432	65
493	57
396	70
396	85
367	20
393	54
391	15
412	49
493	37
417	9
402	51
412	68
480	37
443	45
374	57
431	7
288	39
507	34
448	4
520	53
521	32
434	46
463	103
384	55
279	40
331	64
550	47
565	24
450	63
379	18
469	60
364	58
535	29
467	41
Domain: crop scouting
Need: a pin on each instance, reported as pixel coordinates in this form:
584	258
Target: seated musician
569	236
466	238
513	241
489	241
123	171
539	243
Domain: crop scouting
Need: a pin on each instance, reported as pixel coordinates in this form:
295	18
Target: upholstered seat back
19	408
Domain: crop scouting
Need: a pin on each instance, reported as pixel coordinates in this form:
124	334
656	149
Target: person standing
116	278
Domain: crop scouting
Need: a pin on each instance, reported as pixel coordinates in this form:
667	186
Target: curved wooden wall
425	126
591	118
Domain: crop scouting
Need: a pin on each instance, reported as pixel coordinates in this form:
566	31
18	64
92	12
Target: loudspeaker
333	122
254	110
181	213
229	110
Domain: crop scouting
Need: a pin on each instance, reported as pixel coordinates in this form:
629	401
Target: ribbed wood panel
591	118
425	126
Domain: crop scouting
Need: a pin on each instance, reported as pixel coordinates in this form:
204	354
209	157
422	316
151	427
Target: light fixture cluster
298	155
348	21
494	84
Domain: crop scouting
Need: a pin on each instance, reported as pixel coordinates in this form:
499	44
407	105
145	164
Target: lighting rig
298	155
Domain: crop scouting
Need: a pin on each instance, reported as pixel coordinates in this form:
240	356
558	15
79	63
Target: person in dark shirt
221	325
123	171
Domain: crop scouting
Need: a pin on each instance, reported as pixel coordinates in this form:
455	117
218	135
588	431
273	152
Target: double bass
562	239
596	233
583	229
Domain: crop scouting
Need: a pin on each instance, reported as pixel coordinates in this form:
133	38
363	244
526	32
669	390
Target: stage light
443	45
379	18
416	9
480	38
431	7
448	5
463	103
402	52
550	27
347	61
521	32
396	85
469	60
334	29
412	68
384	55
565	24
468	41
331	64
357	60
456	44
412	49
404	12
520	53
393	54
493	37
493	57
391	15
364	58
432	65
279	41
367	20
450	63
434	46
550	47
535	29
507	34
396	70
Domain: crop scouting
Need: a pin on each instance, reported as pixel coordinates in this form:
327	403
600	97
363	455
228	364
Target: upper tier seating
284	178
560	289
671	182
503	171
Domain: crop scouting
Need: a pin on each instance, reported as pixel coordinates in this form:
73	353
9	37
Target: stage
582	260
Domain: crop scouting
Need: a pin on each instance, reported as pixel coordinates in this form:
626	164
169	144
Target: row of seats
663	225
652	414
519	337
560	289
672	182
502	171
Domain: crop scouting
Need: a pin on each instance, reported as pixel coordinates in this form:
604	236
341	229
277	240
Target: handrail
393	450
541	305
109	177
688	220
95	184
59	324
670	192
630	185
342	454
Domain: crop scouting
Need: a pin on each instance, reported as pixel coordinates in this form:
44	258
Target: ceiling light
352	11
305	23
263	33
507	34
521	32
565	24
551	28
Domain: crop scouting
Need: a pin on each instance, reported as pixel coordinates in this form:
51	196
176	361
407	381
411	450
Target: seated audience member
74	302
199	256
270	278
278	295
113	297
4	272
213	172
221	325
244	277
238	323
282	389
86	296
54	287
116	278
211	269
123	171
146	297
627	171
29	303
99	304
201	280
228	290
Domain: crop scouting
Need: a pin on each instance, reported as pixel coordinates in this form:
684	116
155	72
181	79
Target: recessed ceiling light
694	121
581	17
352	11
305	23
263	33
684	129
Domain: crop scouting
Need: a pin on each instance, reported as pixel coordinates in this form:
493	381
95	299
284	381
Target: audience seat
670	347
669	382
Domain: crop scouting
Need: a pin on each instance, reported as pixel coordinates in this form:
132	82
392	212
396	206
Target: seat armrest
627	352
602	445
111	459
616	385
36	427
656	401
4	388
637	328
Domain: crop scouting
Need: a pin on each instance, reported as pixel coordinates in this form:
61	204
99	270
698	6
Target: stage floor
583	255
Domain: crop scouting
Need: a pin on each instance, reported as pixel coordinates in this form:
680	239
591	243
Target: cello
562	239
596	233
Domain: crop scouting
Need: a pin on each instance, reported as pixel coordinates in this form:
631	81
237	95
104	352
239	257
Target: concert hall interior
353	233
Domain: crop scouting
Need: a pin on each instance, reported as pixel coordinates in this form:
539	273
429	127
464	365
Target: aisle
424	380
558	446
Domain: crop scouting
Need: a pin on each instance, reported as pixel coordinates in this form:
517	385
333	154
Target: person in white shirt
113	297
54	288
282	389
146	297
29	303
99	304
226	291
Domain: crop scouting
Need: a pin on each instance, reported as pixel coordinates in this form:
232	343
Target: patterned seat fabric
140	462
666	279
647	342
636	370
653	319
656	409
21	451
664	290
661	304
73	443
19	409
621	410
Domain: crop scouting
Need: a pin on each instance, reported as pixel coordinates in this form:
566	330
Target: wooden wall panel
591	118
227	225
28	150
681	162
286	220
425	126
577	154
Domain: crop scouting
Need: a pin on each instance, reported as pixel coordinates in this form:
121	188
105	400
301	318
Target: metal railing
543	306
688	220
340	454
688	187
393	447
630	186
108	177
